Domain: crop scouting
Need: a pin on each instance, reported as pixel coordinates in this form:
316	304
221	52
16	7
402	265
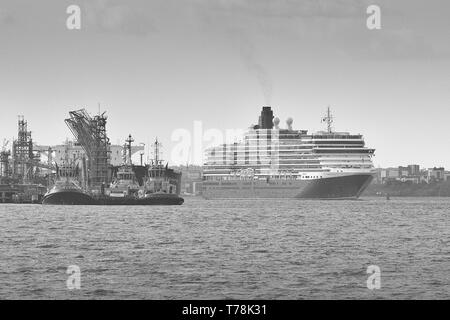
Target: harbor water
228	249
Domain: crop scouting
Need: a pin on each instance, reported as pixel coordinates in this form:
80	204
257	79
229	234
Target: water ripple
238	249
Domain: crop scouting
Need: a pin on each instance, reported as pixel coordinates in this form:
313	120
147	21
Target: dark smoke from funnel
237	31
247	52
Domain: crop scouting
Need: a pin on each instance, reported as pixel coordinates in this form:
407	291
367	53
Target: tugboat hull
157	200
68	198
164	200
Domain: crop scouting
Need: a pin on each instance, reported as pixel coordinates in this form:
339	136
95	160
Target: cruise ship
271	162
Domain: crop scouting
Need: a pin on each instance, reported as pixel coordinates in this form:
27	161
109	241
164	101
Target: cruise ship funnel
266	118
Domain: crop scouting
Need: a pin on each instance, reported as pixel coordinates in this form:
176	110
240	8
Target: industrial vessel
271	162
161	185
66	190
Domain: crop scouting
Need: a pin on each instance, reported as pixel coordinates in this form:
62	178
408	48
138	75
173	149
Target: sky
159	66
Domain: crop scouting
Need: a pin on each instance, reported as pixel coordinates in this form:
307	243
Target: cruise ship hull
68	197
340	187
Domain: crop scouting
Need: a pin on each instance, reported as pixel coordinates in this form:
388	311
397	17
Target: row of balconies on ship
281	148
285	158
292	142
265	171
284	140
344	150
337	144
221	167
303	134
284	154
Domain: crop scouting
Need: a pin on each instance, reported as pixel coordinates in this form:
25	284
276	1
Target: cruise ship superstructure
272	162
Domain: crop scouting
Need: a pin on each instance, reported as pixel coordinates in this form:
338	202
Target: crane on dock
90	133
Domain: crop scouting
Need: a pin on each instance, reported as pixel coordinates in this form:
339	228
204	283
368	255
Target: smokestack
266	118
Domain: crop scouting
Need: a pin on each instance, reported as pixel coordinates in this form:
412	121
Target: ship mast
156	146
129	141
63	172
328	119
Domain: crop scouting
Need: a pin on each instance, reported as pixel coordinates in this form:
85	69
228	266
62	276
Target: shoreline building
411	173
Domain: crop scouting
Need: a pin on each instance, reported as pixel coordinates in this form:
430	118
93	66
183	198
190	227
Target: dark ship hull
342	187
68	197
345	187
22	193
156	199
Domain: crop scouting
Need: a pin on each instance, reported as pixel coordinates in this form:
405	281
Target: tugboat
161	187
124	189
66	190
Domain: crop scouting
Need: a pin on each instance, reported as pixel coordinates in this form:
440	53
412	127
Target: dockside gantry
90	133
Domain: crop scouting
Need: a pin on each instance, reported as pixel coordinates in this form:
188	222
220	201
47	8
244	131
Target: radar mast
156	153
328	119
128	150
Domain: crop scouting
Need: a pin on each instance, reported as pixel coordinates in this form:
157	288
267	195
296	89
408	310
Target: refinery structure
23	162
22	173
28	169
90	133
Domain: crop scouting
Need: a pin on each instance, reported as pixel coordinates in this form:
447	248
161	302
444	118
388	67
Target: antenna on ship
129	141
328	119
156	149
